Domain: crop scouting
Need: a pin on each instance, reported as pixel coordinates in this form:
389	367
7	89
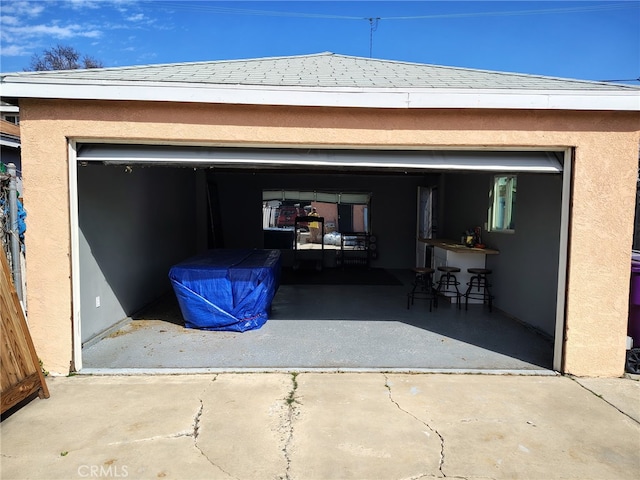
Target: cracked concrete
326	426
119	424
506	427
441	463
245	425
349	428
292	412
616	392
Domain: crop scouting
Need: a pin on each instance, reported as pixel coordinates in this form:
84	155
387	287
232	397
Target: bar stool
478	287
422	286
447	283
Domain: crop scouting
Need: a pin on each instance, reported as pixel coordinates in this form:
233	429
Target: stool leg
469	288
417	281
488	293
449	281
481	283
453	280
437	291
434	292
410	296
425	282
442	281
427	286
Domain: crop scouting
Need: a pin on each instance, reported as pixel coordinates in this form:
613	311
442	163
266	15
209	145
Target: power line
373	26
373	21
204	7
590	8
250	12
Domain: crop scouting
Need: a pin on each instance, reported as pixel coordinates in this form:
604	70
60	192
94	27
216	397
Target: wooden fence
21	374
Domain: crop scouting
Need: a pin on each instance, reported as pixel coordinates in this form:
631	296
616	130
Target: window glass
342	212
503	204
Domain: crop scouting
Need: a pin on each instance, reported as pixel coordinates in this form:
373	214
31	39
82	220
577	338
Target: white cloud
83	4
147	57
29	9
15	50
29	26
91	34
55	31
9	20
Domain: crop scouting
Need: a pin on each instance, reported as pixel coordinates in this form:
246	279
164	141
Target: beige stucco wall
601	227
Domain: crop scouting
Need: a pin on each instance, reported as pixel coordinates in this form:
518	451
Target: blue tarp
227	289
22	215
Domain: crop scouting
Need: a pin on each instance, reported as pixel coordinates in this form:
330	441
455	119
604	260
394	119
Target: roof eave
393	98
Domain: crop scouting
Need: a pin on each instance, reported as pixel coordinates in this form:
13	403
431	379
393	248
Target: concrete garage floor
328	327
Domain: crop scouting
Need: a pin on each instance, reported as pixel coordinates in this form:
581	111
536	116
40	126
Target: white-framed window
15	119
502	206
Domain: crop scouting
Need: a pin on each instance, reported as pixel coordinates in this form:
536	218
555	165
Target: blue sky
591	40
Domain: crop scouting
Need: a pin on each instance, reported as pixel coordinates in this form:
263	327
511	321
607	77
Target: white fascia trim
331	97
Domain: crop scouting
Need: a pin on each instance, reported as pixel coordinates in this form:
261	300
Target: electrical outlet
97	302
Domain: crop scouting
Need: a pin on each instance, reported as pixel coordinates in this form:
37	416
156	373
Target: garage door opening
138	214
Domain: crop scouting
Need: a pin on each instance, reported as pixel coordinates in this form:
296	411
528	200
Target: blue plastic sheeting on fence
21	220
227	289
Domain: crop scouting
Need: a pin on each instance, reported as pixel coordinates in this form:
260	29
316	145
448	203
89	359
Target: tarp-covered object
227	289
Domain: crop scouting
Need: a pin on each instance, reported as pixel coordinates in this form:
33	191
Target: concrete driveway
326	426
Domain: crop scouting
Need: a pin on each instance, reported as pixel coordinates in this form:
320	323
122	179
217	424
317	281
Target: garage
128	171
144	208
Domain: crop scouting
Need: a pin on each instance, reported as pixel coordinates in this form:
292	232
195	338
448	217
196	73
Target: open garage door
141	208
500	161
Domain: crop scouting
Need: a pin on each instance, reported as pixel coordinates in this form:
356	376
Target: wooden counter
452	246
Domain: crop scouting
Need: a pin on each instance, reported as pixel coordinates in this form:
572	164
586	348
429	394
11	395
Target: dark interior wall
393	207
531	255
525	273
465	200
133	227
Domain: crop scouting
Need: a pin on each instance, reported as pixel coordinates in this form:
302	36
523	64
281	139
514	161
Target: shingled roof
326	70
323	72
